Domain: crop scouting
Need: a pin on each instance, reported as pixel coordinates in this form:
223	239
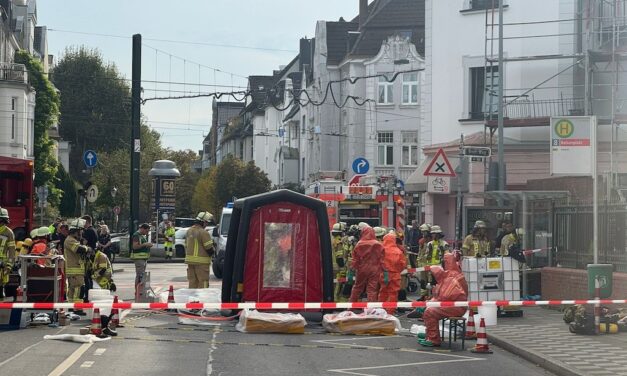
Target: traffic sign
440	165
92	193
355	180
90	158
361	165
116	210
476	151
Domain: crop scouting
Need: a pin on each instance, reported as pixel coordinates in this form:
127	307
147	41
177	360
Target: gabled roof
337	40
389	18
259	87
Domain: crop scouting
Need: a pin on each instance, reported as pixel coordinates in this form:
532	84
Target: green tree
231	178
69	202
95	104
184	160
113	170
46	115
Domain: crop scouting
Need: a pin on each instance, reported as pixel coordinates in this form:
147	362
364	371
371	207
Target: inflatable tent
278	250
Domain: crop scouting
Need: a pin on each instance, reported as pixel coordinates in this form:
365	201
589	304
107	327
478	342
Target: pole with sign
574	153
163	172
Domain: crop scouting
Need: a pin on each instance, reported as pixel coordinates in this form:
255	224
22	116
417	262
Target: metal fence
529	107
572	235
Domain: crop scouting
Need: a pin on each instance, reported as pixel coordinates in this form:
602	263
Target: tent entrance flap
283	260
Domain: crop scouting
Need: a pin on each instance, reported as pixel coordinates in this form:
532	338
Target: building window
386	148
302	169
482	4
241	150
410	88
386	91
13	118
410	148
484	84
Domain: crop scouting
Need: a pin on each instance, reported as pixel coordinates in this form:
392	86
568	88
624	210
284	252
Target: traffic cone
115	315
171	294
482	346
96	328
470	326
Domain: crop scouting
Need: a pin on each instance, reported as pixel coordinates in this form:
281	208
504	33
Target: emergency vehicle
16	193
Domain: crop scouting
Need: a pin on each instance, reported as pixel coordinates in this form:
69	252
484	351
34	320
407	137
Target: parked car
179	242
220	234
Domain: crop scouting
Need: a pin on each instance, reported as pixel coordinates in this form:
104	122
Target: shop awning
417	182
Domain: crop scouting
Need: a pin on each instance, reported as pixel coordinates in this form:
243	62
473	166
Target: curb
537	358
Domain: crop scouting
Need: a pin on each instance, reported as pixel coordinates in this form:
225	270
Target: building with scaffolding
560	58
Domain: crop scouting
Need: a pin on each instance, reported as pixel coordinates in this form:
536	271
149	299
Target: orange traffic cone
115	315
96	328
482	346
470	327
171	296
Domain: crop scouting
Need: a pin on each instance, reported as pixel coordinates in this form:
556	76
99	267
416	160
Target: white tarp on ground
195	317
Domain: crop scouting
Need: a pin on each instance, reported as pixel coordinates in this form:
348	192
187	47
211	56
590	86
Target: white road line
99	351
26	349
348	371
212	347
87	364
70	360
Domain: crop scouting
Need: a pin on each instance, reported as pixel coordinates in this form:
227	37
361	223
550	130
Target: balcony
527	111
13	72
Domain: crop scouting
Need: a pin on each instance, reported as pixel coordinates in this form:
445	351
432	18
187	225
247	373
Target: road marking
70	360
365	347
216	330
87	364
349	371
27	349
99	351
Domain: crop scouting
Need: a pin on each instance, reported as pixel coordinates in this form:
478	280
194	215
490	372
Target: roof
293	111
259	86
389	18
337	40
475	139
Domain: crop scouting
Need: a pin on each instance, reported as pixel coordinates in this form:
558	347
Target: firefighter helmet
379	232
337	228
204	217
28	242
425	227
4	214
43	231
363	225
76	224
34	232
435	229
480	224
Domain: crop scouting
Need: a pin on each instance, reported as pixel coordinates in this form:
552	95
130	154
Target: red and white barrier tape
299	306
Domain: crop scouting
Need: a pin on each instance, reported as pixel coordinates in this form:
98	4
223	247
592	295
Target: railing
525	107
13	72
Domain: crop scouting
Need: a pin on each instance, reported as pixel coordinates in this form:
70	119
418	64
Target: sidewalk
542	337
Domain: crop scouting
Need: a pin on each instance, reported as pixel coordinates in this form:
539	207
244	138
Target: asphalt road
154	343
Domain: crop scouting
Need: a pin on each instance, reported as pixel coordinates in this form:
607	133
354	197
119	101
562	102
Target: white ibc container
488	313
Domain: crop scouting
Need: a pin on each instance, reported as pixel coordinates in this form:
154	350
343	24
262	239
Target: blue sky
272	24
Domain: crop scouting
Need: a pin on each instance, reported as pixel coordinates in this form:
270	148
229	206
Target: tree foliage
231	178
95	104
69	201
46	115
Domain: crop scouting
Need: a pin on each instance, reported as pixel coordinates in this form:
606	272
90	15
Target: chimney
363	12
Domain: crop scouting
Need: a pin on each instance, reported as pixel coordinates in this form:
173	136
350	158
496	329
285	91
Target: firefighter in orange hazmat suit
394	263
368	265
451	287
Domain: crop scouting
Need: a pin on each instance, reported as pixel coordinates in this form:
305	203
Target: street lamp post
114	192
390	186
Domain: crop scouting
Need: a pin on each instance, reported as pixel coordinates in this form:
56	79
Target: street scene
358	187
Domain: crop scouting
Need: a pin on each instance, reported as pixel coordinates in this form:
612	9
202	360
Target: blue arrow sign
90	158
361	165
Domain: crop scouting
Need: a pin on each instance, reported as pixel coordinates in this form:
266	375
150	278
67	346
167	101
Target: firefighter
26	246
367	262
452	287
425	238
75	256
341	250
477	243
7	250
102	272
394	263
437	247
511	240
40	244
168	233
198	252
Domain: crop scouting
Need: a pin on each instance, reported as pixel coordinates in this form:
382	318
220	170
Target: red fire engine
16	193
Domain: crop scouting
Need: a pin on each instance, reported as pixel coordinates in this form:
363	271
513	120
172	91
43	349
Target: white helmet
435	229
520	231
362	225
204	217
379	232
4	213
43	231
76	224
337	227
425	227
480	224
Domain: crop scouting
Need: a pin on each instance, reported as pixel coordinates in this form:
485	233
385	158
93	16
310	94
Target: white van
220	234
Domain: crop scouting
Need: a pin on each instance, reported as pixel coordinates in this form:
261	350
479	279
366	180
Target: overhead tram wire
176	41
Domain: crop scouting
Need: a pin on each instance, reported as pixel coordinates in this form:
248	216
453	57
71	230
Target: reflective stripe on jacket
197	243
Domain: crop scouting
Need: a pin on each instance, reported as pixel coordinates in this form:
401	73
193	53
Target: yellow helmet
28	242
18	244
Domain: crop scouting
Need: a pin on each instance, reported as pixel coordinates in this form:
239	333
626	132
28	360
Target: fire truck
357	203
16	193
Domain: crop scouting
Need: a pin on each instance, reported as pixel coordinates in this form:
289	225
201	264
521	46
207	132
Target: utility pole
459	209
135	134
500	104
